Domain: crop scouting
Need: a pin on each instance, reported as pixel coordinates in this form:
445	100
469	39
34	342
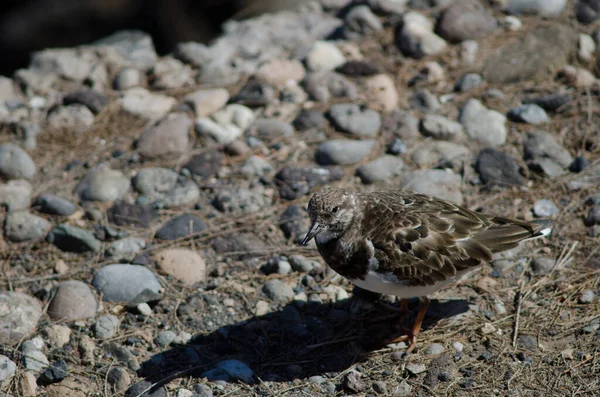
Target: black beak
315	229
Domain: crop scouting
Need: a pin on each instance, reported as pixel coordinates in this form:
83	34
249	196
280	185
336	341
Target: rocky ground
153	206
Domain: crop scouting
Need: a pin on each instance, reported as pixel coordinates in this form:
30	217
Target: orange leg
412	334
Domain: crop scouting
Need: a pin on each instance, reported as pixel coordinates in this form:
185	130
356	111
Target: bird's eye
335	209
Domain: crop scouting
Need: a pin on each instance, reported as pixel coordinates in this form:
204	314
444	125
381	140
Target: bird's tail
507	233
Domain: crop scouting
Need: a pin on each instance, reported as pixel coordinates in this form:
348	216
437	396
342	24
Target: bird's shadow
295	342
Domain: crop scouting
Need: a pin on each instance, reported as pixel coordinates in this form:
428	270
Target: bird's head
331	210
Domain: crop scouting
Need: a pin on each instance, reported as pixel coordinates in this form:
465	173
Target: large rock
513	63
73	300
19	315
122	283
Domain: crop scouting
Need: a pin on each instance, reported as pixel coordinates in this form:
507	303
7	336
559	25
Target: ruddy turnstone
408	244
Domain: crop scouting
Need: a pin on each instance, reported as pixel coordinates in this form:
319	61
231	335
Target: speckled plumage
406	243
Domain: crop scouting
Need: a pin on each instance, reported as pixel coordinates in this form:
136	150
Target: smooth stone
434	349
380	93
15	163
545	208
243	200
128	78
587	47
23	226
468	82
294	223
438	183
122	355
279	72
278	291
106	326
8	368
73	239
236	370
122	283
424	101
103	184
484	125
73	300
165	338
416	369
206	102
448	154
553	46
74	117
185	194
183	264
205	164
577	77
155	182
269	129
295	182
304	265
529	113
353	119
256	166
131	215
119	379
440	127
32	357
19	316
309	119
169	137
357	67
181	226
141	103
543	8
466	20
16	194
235	114
325	85
53	205
380	169
496	167
125	249
587	296
415	37
343	151
540	148
324	56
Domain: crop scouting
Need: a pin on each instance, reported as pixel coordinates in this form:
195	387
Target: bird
408	244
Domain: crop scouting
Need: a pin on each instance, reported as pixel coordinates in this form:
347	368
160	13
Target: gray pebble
155	182
324	85
23	226
243	200
276	265
542	151
416	369
498	168
529	113
122	283
587	296
343	151
32	357
380	169
237	370
256	166
167	138
483	125
424	101
269	129
7	368
15	163
54	205
106	326
119	379
125	249
128	78
278	291
74	117
15	195
73	300
468	81
165	338
20	316
433	349
74	239
303	265
121	354
103	184
353	119
440	127
545	208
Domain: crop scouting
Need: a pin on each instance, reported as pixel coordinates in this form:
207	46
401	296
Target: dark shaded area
319	338
31	25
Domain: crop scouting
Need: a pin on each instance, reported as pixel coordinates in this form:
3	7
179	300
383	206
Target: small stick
517	316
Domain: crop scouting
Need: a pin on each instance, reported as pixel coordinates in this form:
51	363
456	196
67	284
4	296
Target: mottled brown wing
423	240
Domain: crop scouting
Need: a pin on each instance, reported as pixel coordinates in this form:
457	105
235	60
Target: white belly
389	284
